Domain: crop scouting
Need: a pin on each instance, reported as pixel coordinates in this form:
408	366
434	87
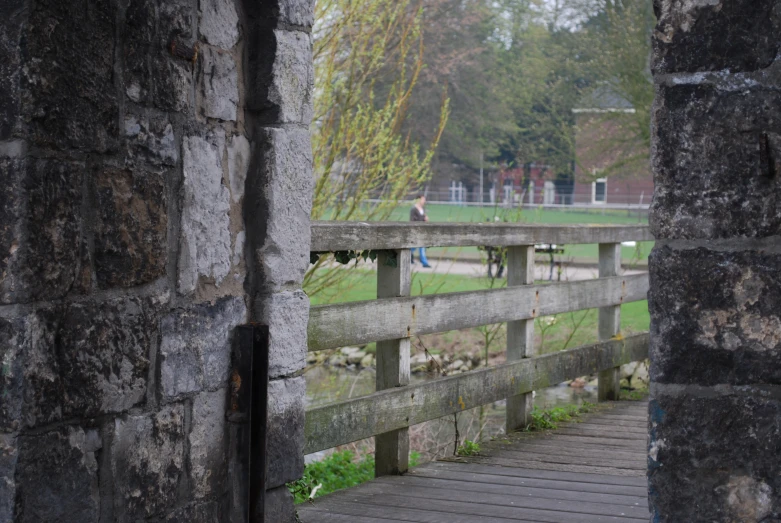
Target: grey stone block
147	462
205	249
30	379
9	453
287	315
150	140
219	84
173	84
57	477
207	512
131	228
103	352
716	160
152	76
295	12
282	194
208	464
709	333
292	77
195	346
11	29
238	165
712	35
279	506
714	457
219	23
40	214
285	443
68	85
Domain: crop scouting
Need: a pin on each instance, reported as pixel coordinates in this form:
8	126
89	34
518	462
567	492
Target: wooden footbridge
589	471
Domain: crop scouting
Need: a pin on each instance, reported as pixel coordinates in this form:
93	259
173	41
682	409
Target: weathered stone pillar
128	132
277	211
715	299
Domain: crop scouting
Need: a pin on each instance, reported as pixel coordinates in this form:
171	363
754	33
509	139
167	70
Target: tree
360	149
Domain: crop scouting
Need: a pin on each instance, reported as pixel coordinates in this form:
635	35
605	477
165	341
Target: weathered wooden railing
396	316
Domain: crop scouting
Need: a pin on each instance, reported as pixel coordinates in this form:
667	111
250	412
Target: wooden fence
395	317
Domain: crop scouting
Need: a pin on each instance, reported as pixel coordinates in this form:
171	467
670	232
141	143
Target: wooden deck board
592	471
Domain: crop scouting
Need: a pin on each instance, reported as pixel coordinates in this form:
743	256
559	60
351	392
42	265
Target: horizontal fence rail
358	323
345	236
352	420
395	317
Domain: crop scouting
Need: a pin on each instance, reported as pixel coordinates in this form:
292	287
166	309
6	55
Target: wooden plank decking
590	471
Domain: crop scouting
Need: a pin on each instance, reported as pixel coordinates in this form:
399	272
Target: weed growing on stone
548	419
468	448
338	471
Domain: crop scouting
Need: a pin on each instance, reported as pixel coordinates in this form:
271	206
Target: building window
599	191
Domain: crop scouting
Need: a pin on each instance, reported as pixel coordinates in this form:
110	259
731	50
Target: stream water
434	438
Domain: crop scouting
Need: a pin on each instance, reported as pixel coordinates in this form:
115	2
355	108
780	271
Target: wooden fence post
391	450
609	320
520	334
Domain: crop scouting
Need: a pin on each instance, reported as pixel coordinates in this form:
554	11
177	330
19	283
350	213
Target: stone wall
715	300
157	177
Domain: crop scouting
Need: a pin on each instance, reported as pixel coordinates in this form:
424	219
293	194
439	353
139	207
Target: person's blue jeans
423	258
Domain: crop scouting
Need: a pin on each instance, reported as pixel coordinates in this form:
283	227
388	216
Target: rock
279	506
150	140
131	228
628	369
219	23
721	199
289	97
734	427
593	383
695	37
147	462
417	358
367	361
338	360
207	442
624	383
71	93
464	368
238	164
640	377
286	314
41	243
356	357
349	350
219	85
578	383
103	353
195	346
285	443
9	454
734	332
311	357
419	368
295	12
457	364
57	476
283	186
205	242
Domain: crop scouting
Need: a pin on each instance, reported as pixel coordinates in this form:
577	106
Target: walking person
418	214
